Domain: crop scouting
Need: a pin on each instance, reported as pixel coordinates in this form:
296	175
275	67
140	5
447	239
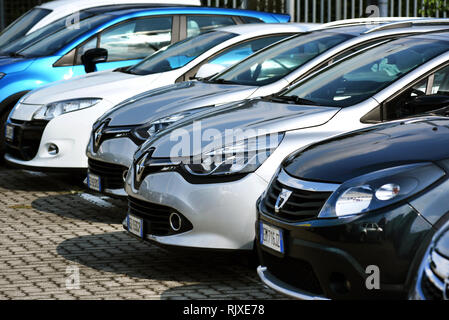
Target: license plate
271	237
93	182
135	225
9	132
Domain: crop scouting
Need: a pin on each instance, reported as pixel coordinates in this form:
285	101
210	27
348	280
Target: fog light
53	149
175	221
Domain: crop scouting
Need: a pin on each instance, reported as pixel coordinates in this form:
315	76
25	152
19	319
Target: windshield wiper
15	55
220	81
294	99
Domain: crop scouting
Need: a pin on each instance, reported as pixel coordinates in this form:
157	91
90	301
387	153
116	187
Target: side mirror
93	56
208	70
423	104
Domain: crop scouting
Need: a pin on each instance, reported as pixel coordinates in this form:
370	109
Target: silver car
118	133
432	282
211	202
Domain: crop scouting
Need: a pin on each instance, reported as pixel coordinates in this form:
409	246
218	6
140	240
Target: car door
127	43
427	95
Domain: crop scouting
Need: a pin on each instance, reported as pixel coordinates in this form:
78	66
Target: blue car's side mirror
93	56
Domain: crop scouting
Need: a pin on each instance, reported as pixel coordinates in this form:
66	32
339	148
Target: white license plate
135	225
93	182
9	132
271	237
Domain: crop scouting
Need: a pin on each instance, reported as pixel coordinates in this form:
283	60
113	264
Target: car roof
264	27
56	4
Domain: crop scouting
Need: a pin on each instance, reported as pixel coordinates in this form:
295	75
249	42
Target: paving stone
50	234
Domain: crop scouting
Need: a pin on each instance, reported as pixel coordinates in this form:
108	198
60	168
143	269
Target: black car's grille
111	174
430	291
301	204
27	138
295	272
156	217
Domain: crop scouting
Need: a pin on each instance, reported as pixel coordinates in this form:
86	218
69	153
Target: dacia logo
140	167
282	199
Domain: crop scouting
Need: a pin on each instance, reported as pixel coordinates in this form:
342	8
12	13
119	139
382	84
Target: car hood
10	65
167	100
110	85
351	155
255	117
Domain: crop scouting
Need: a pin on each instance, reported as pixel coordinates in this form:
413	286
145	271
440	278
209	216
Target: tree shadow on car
120	253
83	206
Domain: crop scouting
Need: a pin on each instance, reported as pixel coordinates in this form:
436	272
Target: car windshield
37	35
22	25
359	77
179	54
50	44
276	62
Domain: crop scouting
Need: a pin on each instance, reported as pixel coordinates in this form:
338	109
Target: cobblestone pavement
50	228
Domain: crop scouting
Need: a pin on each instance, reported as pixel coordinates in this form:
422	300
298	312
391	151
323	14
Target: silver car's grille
304	199
432	283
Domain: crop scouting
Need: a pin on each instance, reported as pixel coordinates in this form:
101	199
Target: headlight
55	109
380	189
240	157
148	130
2	75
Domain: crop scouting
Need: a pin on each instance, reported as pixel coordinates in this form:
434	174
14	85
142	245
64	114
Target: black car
433	275
351	217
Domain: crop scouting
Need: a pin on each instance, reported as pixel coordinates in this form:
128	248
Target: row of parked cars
321	147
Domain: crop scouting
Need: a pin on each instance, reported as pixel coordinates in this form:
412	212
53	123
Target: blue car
104	38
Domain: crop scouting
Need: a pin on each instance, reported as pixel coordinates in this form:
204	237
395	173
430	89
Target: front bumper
70	132
328	258
222	215
110	163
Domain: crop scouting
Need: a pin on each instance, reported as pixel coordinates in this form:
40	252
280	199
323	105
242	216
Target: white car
49	12
60	116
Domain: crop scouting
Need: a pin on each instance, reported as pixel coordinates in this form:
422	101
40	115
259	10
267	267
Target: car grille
295	272
156	217
111	174
430	291
432	282
27	138
301	205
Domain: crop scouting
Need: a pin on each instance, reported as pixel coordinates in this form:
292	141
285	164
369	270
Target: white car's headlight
241	157
144	132
2	75
55	109
380	189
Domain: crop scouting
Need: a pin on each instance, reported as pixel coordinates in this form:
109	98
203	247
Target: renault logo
282	199
97	135
140	167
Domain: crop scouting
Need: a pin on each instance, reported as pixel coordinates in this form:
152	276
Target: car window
91	44
137	38
237	53
200	24
251	19
181	53
50	44
22	25
274	63
44	32
357	78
